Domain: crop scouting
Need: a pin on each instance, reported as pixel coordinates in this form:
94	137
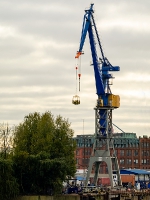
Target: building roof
125	135
134	171
80	178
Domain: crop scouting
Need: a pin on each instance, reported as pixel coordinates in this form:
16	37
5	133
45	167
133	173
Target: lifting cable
76	67
79	70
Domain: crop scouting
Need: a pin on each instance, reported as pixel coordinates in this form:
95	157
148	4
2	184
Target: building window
86	152
128	152
85	161
147	161
116	152
77	161
77	152
133	145
144	161
122	162
129	162
145	153
89	152
121	152
144	144
135	161
137	145
136	152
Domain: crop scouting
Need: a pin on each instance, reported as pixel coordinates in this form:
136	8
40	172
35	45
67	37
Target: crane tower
103	149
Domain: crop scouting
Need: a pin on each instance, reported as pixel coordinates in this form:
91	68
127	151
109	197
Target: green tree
43	153
8	184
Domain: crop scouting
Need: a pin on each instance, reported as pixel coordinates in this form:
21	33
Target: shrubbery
42	158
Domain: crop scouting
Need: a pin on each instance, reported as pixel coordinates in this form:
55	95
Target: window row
84	152
135	161
126	145
133	152
145	144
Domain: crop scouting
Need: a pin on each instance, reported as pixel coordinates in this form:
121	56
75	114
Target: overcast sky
38	43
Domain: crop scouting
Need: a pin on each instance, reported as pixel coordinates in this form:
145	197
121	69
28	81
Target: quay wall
59	197
78	197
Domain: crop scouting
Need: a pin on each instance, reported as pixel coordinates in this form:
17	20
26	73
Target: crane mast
103	149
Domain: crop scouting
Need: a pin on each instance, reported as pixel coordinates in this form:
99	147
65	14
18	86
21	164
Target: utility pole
84	165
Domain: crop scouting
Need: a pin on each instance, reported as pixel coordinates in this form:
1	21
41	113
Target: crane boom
102	74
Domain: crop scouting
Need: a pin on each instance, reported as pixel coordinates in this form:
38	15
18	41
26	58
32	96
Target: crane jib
101	65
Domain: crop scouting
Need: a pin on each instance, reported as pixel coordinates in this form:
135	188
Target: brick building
132	152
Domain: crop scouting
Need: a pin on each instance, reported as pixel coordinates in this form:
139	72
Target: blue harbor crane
103	150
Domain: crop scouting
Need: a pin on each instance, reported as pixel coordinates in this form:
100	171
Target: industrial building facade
132	152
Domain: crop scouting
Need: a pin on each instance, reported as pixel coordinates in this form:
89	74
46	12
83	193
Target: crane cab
76	100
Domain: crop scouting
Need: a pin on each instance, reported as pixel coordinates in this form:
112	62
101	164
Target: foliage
8	184
43	153
6	135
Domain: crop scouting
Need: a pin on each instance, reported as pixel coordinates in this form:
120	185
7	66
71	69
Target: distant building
83	150
132	152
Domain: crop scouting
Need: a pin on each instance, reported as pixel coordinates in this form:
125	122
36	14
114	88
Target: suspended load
76	100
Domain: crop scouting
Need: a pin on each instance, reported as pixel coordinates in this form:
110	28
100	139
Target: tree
9	186
6	135
43	152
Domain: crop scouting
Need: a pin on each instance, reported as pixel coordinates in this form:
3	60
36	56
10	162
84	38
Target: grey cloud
37	70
